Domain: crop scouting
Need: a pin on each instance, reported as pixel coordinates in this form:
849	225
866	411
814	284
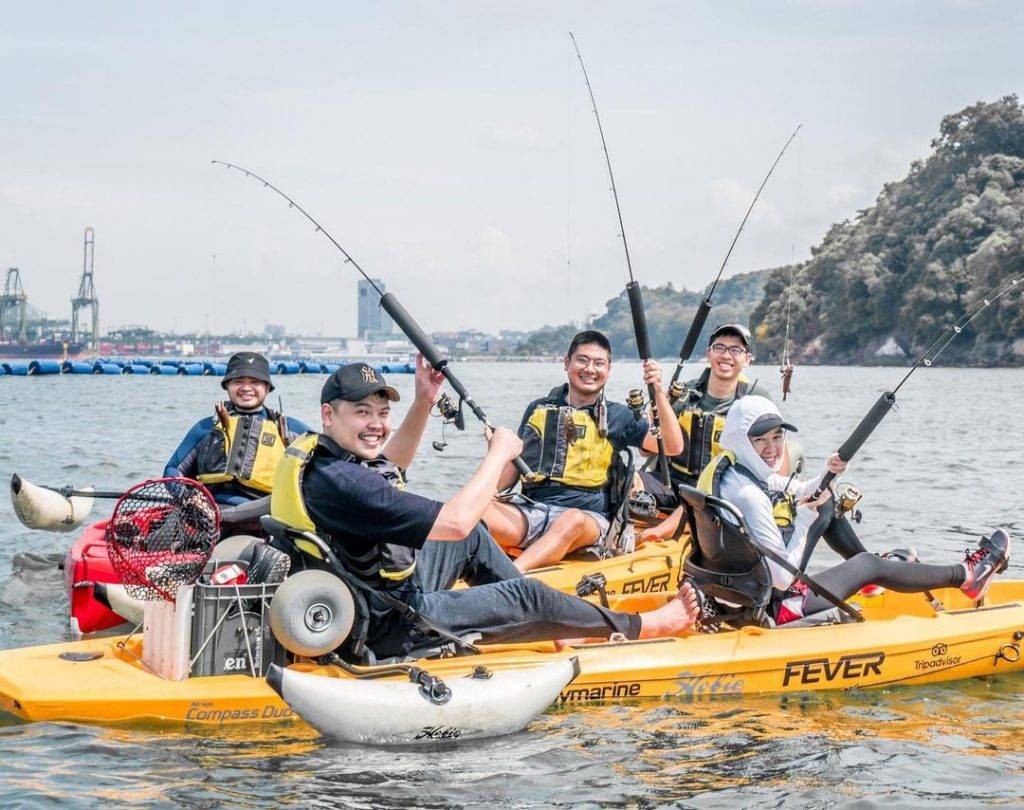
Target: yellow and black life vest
384	561
564	445
702	430
247	450
783	503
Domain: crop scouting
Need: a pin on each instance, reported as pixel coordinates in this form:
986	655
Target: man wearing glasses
570	440
701	410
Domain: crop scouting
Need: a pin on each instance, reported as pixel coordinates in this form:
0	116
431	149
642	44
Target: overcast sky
450	147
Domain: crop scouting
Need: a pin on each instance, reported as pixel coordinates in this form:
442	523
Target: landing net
161	535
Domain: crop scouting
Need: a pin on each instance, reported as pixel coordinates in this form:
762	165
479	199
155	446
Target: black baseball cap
247	364
354	382
735	329
768	423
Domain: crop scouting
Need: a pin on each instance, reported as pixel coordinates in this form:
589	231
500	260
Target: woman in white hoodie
781	517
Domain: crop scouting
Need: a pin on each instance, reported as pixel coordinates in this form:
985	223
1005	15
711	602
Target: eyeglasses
721	348
582	361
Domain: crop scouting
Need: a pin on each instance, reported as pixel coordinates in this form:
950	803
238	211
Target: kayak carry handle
867	426
421	340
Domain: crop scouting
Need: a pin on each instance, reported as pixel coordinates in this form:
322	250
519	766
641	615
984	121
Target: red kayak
88	562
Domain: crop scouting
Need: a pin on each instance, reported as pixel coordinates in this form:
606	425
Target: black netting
160	536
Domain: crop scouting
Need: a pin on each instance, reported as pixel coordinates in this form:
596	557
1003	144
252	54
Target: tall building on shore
372	321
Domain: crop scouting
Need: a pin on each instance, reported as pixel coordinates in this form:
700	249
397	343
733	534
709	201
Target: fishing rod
412	330
701	316
636	303
887	400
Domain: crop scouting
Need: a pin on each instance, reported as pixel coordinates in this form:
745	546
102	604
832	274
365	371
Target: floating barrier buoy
191	369
16	368
215	369
162	369
289	367
101	367
76	367
134	368
44	367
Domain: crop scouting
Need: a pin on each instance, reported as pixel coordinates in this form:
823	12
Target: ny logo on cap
368	374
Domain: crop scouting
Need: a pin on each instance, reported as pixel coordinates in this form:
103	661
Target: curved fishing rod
887	400
633	293
701	316
420	339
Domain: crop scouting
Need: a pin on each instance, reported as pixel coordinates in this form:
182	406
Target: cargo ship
41	349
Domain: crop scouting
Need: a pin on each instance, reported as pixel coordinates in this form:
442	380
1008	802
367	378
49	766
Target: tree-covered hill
887	283
669	313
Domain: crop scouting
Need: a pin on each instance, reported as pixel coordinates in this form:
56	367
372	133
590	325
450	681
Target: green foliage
669	313
911	264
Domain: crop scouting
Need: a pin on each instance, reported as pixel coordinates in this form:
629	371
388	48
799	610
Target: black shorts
663	495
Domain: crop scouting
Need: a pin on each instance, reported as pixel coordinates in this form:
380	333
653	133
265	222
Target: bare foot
677	615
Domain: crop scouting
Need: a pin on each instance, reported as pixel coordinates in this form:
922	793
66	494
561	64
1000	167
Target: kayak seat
724	562
309	551
728	567
243	518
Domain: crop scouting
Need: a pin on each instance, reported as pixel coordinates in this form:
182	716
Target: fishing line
633	292
704	308
786	370
390	304
887	400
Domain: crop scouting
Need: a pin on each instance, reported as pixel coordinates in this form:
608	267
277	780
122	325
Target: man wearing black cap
236	451
346	485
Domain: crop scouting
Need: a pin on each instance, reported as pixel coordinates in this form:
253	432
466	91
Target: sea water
940	471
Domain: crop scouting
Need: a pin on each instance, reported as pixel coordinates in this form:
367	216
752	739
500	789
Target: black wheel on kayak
231	549
312	613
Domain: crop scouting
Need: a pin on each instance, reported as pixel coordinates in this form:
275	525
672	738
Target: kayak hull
904	642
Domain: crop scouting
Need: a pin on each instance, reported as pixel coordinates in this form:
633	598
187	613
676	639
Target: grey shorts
539	517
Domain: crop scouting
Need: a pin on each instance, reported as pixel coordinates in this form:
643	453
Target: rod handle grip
412	330
636	308
700	317
848	449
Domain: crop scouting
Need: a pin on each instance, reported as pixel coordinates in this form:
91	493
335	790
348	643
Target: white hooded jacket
748	497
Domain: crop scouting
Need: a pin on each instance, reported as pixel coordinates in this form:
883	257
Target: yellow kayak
904	641
652	568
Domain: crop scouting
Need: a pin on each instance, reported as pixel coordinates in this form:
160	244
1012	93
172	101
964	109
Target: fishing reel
451	414
847	497
636	402
643	506
675	391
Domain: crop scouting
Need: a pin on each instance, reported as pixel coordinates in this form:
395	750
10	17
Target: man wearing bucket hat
235	452
346	484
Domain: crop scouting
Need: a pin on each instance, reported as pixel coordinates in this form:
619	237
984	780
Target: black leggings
865	568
